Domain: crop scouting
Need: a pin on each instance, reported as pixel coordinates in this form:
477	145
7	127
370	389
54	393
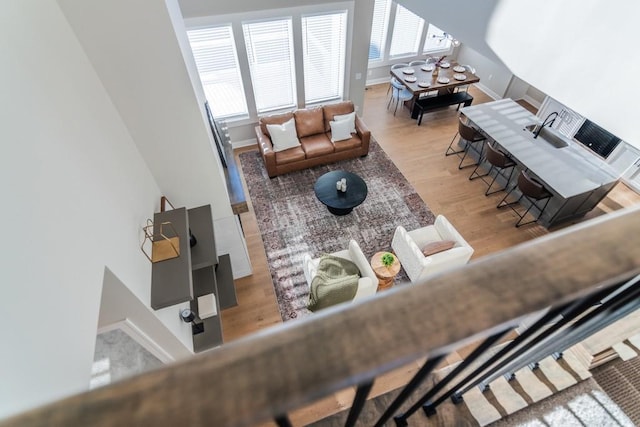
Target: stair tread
531	384
483	411
624	351
556	375
635	340
576	365
508	398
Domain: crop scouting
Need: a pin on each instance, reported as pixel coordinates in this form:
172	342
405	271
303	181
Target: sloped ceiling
579	52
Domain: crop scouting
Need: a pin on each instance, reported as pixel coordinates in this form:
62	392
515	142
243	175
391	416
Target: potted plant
388	259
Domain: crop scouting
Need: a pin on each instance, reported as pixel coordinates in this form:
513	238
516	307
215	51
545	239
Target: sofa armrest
448	232
266	149
358	258
366	288
364	133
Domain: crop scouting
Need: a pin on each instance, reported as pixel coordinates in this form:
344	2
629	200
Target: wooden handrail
282	368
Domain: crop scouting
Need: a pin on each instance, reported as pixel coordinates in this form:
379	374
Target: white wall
494	76
75	192
134	48
577	52
119	304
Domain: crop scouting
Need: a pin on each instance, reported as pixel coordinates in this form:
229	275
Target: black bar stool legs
499	161
471	137
531	189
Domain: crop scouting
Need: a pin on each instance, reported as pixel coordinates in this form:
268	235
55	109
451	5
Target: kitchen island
577	178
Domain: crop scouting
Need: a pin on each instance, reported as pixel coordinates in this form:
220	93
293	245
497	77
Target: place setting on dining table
440	75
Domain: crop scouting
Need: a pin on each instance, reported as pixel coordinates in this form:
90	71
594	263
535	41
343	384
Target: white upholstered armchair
408	246
368	282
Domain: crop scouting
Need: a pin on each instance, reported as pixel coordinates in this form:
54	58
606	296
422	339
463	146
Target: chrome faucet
545	123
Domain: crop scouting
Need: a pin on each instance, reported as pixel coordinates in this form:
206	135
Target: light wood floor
418	151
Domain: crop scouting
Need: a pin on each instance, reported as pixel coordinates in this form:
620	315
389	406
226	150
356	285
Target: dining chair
471	138
399	93
417	62
499	161
531	189
393	67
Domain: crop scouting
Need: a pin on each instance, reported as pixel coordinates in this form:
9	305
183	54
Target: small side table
385	274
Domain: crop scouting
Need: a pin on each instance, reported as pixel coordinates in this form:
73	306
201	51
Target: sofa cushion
316	145
289	156
331	110
284	136
276	119
351	118
348	144
340	130
437	246
309	121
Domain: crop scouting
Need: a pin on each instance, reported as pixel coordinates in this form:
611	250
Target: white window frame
237	19
387	59
341	59
237	71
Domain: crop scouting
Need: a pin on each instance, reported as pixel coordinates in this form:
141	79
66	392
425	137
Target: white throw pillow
284	136
340	131
351	117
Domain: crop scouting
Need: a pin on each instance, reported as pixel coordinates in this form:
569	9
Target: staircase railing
574	281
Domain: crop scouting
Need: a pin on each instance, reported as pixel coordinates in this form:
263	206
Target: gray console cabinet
197	272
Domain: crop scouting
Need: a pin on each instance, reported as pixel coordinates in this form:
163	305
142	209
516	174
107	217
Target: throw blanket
336	281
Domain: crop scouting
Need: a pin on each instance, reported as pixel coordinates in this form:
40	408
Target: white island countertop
567	171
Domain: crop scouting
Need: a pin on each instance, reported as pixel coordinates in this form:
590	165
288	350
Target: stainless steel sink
550	136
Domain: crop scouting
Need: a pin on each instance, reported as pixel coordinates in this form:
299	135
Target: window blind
271	63
379	27
435	40
217	62
323	41
407	33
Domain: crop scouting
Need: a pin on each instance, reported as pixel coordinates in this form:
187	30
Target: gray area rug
293	222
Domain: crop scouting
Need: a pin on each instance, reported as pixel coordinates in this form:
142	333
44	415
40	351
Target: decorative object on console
165	242
188	316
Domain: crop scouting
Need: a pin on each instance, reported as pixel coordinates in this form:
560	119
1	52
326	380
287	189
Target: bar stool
499	161
472	136
531	189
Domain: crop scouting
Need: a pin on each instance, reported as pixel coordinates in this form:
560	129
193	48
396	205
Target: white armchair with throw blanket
367	282
443	245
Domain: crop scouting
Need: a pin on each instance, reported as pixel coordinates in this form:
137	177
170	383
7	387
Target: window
323	43
271	63
217	62
379	29
436	40
407	33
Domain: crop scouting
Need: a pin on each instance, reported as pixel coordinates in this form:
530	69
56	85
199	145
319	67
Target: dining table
420	79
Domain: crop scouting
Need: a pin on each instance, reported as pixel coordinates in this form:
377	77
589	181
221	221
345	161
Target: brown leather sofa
314	133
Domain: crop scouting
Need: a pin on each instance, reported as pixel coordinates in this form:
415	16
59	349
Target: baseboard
532	101
488	91
377	81
243	143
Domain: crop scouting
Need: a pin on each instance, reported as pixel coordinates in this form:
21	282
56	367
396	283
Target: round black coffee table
338	202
